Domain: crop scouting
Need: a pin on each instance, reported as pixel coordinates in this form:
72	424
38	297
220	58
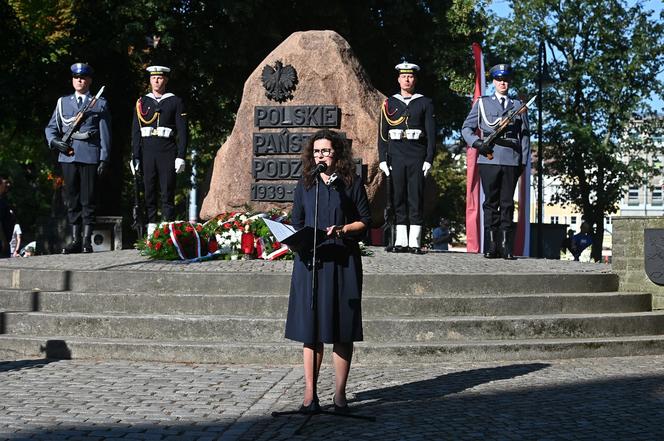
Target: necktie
80	102
502	102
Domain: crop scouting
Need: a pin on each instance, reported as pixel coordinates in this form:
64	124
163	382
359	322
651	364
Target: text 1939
272	192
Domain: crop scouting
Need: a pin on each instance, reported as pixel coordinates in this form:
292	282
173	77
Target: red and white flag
474	194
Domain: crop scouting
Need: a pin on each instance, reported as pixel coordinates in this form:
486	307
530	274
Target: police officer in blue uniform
159	144
406	145
84	158
510	153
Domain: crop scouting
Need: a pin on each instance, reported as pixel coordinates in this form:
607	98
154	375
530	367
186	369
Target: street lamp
542	79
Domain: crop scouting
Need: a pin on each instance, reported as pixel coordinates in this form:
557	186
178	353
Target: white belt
412	134
161	132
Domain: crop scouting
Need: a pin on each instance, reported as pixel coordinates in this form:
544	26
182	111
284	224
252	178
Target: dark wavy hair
343	157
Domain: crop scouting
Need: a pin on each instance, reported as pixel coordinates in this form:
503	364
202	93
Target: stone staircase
216	317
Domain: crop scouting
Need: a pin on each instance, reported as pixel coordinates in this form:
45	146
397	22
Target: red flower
156	234
149	244
169	241
166	229
199	227
213	246
276	245
157	246
189	229
177	232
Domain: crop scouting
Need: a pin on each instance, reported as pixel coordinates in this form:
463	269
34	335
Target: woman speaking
343	211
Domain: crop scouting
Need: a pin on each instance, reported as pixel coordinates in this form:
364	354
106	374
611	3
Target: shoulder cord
60	118
483	113
390	121
140	114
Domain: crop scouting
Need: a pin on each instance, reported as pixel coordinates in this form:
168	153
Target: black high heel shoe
312	407
340	409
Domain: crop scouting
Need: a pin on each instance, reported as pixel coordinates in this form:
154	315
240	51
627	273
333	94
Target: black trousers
408	186
159	169
80	195
498	184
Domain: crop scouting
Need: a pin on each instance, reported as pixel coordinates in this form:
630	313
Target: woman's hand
336	231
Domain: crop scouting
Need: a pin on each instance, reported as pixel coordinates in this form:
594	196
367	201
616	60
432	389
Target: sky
502	8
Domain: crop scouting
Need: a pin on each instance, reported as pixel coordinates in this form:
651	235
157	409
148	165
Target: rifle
78	119
390	214
504	123
136	211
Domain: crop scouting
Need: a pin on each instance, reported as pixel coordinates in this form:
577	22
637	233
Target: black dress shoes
416	250
312	407
87	239
491	249
506	244
73	247
340	409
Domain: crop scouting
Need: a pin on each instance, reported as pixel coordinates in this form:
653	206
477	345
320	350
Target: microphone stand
316	409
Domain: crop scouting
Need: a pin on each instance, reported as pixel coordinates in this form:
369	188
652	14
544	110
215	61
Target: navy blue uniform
339	274
406	156
159	135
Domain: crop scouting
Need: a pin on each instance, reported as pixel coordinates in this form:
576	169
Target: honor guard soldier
159	144
406	145
500	164
80	129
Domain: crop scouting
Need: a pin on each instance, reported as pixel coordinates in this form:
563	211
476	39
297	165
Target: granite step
224	328
66	347
18	300
275	305
219	282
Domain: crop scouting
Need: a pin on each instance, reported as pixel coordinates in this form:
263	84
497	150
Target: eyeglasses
324	152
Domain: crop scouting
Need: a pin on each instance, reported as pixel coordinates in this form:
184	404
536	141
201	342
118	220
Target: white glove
425	168
179	165
134	164
383	166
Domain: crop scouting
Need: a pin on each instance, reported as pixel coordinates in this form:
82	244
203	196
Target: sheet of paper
280	231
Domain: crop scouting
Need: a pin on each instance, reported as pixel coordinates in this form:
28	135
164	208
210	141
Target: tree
604	59
212	47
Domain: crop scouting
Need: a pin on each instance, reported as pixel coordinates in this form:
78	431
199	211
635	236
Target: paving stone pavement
380	263
581	399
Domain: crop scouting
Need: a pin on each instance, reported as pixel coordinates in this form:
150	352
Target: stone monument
312	80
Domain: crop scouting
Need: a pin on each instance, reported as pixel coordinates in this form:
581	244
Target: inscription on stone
276	168
296	116
265	167
274	192
280	143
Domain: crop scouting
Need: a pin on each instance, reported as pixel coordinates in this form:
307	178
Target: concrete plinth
628	256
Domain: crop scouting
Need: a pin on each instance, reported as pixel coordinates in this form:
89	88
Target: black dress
339	274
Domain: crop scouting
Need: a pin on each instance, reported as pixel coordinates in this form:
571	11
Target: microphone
320	168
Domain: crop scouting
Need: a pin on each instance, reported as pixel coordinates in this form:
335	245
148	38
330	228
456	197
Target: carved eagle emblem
279	81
